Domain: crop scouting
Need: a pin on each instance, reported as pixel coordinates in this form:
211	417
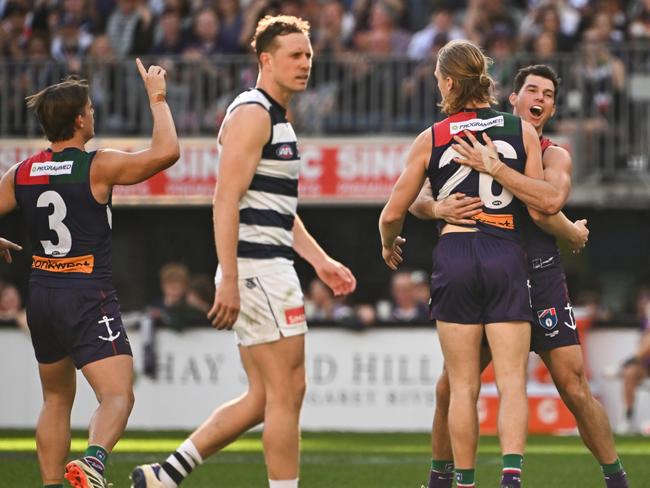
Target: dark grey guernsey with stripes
268	208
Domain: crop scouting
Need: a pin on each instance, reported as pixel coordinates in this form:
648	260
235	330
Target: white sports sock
283	483
180	464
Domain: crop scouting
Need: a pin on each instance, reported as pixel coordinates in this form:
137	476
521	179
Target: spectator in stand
232	23
200	294
130	28
549	21
15	29
615	10
12	312
544	49
501	48
174	281
602	78
421	288
333	34
104	80
404	304
80	11
39	70
365	316
70	43
206	36
322	306
483	16
640	21
383	38
548	17
604	26
636	369
173	40
442	23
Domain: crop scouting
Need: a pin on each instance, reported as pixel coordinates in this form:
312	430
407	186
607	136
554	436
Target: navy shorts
82	323
479	279
553	322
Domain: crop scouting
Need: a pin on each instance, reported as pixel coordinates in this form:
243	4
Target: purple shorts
479	279
83	323
553	321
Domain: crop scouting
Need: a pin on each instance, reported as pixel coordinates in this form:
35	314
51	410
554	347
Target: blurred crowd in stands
46	39
69	30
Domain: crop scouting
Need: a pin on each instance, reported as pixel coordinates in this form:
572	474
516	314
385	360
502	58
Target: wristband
496	168
159	97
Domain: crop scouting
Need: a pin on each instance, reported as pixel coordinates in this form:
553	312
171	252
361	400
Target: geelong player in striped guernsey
256	232
554	335
73	314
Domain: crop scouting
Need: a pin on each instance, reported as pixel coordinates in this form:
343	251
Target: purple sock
440	480
616	480
511	479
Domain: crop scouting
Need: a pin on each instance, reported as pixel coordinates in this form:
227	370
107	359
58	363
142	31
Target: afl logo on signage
284	151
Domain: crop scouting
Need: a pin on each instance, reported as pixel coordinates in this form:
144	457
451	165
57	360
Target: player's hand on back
579	237
6	246
458	209
480	157
393	254
154	80
225	309
337	276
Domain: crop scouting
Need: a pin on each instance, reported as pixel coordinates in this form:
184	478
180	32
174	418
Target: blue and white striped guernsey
268	208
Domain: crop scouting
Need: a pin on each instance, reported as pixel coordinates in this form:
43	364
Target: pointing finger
143	72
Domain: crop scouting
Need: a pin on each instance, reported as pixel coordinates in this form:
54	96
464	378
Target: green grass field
339	460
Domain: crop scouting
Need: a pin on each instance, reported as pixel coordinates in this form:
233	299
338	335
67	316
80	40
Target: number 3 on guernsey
55	221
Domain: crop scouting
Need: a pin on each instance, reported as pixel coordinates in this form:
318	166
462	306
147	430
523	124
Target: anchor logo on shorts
569	309
106	321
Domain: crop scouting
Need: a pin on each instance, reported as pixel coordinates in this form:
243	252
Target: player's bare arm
456	209
540	194
7	191
7	204
334	274
557	172
241	150
575	233
112	167
403	195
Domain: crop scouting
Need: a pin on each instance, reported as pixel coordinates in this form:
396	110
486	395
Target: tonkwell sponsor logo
475	125
51	168
79	264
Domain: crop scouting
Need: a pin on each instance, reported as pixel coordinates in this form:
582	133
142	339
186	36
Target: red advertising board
333	170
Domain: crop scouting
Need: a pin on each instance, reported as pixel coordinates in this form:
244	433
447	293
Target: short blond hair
271	27
174	272
465	63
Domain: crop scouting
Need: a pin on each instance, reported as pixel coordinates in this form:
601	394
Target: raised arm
404	193
112	167
544	195
240	155
335	275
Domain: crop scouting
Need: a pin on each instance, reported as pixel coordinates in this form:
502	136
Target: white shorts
271	306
